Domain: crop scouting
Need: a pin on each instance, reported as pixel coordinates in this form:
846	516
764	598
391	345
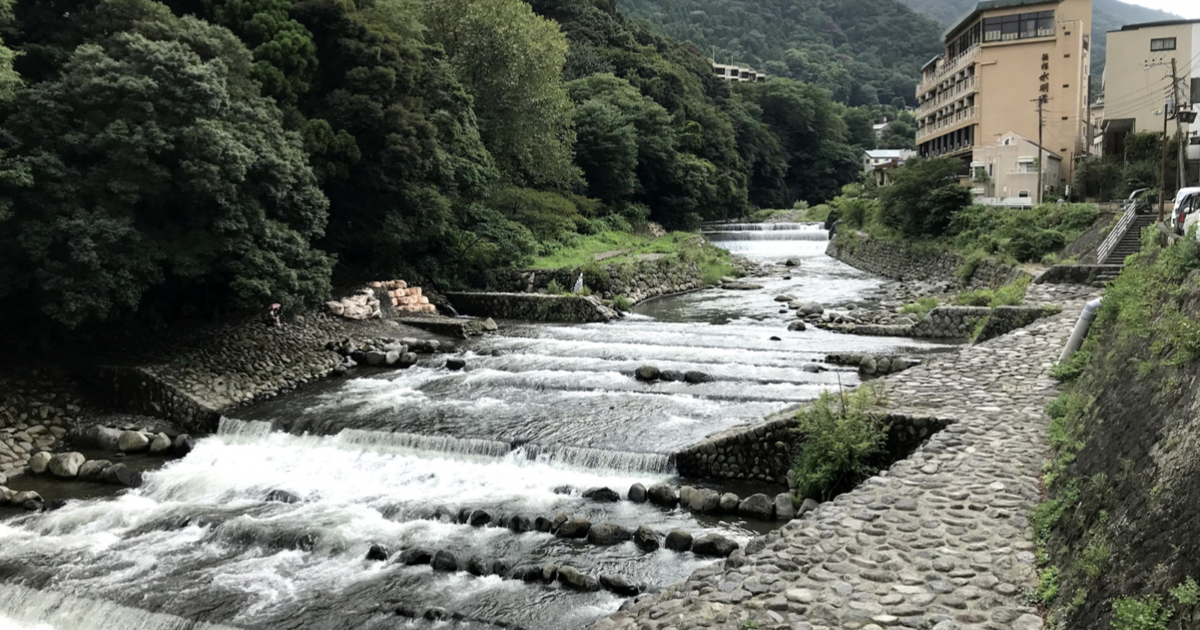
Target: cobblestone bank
894	260
940	540
636	280
533	307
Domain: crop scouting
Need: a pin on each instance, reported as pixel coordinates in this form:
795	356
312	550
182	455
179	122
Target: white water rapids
540	414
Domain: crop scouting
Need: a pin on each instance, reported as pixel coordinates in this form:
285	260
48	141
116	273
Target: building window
1021	26
1026	167
1196	90
1162	43
1024	194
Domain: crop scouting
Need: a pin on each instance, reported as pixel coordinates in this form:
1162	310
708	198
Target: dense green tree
511	61
161	180
924	197
1097	177
860	128
607	151
763	155
811	134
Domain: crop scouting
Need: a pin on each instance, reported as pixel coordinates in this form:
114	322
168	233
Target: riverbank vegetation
181	159
616	247
927	209
1120	472
841	435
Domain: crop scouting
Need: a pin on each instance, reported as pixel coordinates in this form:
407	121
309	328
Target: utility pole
1162	178
1041	125
1176	84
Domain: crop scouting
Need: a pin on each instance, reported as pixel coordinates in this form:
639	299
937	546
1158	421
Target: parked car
1136	199
1177	210
1189	211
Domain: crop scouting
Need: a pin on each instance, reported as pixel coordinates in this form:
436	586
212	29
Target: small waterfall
47	610
620	461
759	227
434	443
244	428
780	235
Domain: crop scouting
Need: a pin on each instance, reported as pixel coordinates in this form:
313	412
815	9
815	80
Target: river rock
574	528
685	495
39	462
741	286
526	573
549	572
792	262
519	524
375	357
560	519
784	298
161	443
714	545
282	496
678	540
121	475
813	368
705	501
663	495
647	373
133	442
618	584
66	465
672	376
807	506
103	438
184	444
489	325
757	506
797	326
608	534
604	495
6	495
729	503
543	524
812	308
637	493
415	556
478	566
646	539
444	561
377	553
570	577
455	363
784	509
695	377
479	518
21	498
499	567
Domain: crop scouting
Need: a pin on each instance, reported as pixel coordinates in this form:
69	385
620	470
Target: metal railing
1118	233
953	94
957	118
954	65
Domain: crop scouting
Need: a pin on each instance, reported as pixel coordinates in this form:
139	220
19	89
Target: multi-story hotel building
1000	59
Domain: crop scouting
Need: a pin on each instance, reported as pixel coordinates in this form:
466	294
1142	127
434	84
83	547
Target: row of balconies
945	68
958	117
960	89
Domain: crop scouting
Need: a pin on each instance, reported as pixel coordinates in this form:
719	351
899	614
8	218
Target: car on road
1177	211
1189	212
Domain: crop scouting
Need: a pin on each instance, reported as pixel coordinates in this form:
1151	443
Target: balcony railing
965	115
961	61
959	90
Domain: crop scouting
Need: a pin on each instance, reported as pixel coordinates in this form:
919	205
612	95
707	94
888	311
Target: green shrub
840	436
920	308
817	214
1140	613
1073	368
622	303
981	297
1033	244
1047	589
965	271
1011	294
554	288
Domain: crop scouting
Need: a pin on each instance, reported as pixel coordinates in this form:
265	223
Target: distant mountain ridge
1107	15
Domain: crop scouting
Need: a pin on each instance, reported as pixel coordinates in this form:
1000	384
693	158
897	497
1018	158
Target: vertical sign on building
1042	99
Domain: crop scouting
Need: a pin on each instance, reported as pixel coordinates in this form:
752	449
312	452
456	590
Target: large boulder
619	584
39	462
792	262
647	373
663	495
6	495
282	496
678	540
377	553
479	518
604	495
695	377
714	545
66	465
757	506
812	308
729	503
184	444
785	510
375	357
103	438
415	556
133	442
444	561
685	495
21	498
570	577
637	493
161	443
455	363
673	376
121	475
608	534
741	286
646	539
705	501
797	326
574	528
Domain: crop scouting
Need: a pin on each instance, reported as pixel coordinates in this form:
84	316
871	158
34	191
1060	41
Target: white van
1189	211
1177	210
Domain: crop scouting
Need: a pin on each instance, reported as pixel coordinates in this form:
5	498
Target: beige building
1137	79
1005	173
737	73
999	60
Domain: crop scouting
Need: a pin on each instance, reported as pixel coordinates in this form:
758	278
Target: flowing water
539	414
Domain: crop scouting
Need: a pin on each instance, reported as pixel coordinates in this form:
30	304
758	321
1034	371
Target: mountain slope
863	51
1107	15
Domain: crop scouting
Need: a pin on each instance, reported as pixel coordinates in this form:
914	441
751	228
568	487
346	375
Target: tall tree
161	180
511	61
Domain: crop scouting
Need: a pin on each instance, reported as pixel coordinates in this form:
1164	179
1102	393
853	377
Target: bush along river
427	497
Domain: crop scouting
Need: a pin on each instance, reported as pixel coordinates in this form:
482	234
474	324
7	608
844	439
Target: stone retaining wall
636	280
1005	319
897	261
138	390
951	322
766	451
533	307
1095	275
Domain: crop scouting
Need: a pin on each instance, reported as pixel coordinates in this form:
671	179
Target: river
540	413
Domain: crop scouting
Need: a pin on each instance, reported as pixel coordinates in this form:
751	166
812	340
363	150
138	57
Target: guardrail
1118	233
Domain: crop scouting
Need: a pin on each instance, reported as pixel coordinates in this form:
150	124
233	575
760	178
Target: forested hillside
196	158
865	52
1107	15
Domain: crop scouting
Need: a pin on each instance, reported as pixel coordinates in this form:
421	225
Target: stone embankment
939	540
652	276
533	307
36	412
874	364
896	260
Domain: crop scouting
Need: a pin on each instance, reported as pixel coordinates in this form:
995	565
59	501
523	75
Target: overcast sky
1187	8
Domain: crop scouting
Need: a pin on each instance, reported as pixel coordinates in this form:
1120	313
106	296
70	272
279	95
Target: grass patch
1140	613
841	434
1073	368
1011	294
920	308
584	249
622	303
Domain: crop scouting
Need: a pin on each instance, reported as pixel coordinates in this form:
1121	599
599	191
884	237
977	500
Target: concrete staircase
1130	242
